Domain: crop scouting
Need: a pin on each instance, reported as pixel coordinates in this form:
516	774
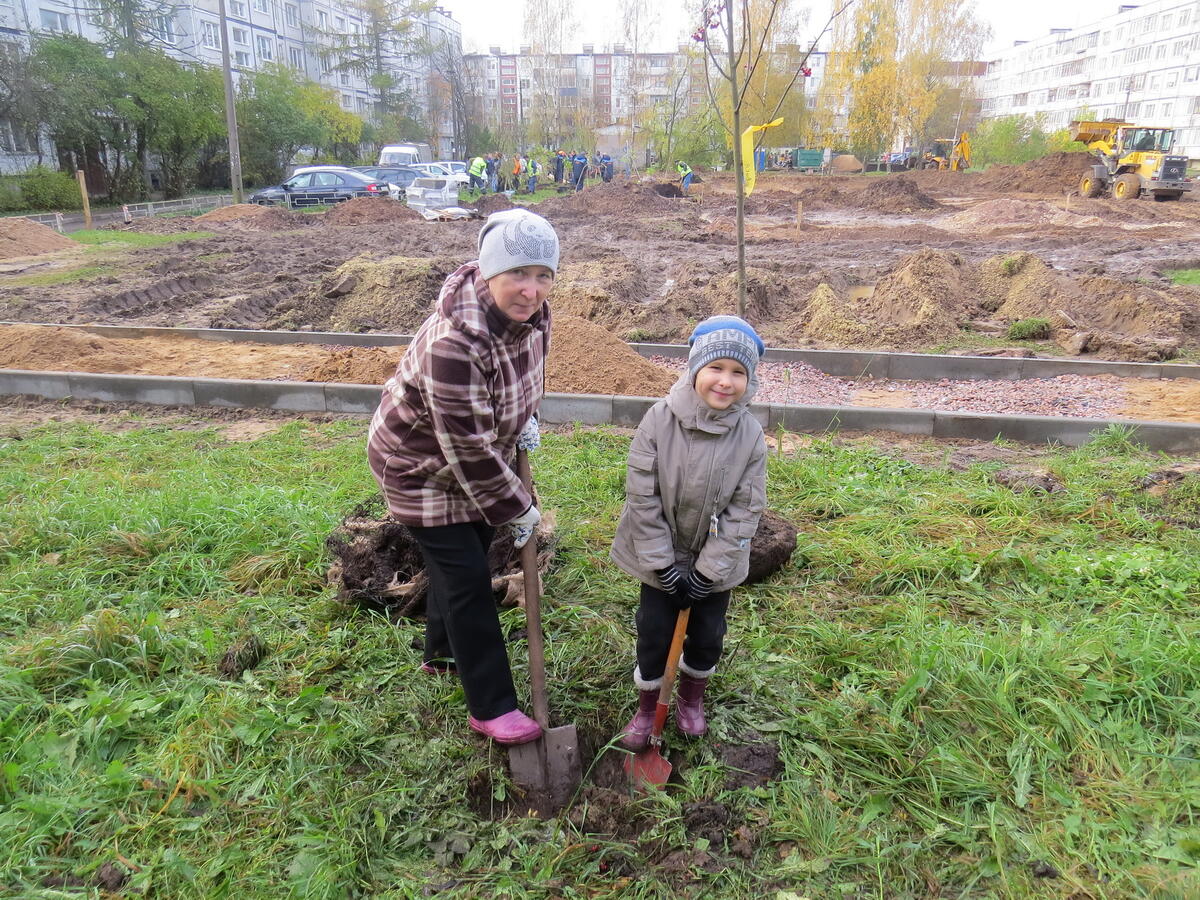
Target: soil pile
392	295
586	358
21	237
258	218
357	365
233	213
371	211
1054	174
617	198
490	203
927	297
1007	212
895	195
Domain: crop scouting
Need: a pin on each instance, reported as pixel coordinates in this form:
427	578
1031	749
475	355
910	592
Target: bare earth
902	262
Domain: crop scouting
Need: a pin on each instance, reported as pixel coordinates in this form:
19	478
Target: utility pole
235	148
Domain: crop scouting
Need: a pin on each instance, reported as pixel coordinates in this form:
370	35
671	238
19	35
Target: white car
443	170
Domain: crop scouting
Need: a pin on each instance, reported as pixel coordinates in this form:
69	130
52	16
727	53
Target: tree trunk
738	163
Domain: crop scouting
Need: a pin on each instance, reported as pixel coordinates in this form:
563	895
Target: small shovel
550	766
650	768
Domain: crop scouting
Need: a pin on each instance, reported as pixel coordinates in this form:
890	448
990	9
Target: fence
136	210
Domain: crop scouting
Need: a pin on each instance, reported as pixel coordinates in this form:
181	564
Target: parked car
322	184
398	178
457	168
442	170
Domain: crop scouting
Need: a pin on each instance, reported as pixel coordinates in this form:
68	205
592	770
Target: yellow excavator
949	153
1132	161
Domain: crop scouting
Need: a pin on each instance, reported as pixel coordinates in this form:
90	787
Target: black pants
656	617
461	618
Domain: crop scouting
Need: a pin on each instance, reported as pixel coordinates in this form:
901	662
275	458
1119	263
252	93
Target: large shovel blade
549	767
648	769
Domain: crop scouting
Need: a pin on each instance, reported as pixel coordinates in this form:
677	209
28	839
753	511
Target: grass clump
969	688
133	239
1029	330
1184	276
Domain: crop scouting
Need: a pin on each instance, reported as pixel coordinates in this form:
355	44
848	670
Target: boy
695	488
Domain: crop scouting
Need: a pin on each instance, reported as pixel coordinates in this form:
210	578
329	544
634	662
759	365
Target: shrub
10	194
43	188
1029	330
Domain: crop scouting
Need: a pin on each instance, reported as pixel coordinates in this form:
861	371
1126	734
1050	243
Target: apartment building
1140	63
261	32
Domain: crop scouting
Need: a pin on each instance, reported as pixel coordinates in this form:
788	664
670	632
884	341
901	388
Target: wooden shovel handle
668	681
533	610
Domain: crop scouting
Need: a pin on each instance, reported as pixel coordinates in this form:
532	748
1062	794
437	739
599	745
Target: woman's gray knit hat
514	238
725	337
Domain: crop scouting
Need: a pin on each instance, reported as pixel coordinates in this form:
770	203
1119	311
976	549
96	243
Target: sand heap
1006	212
927	297
617	198
1091	315
21	237
259	218
356	365
391	295
371	211
1053	174
490	203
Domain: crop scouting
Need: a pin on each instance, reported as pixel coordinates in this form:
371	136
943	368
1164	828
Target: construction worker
685	175
606	168
476	173
579	164
560	160
532	168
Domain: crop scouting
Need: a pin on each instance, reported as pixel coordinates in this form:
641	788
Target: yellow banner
750	169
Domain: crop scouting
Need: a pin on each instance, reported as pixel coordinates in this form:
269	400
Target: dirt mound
22	237
586	358
895	195
1052	174
357	365
394	294
370	211
617	198
1007	212
490	203
927	297
234	212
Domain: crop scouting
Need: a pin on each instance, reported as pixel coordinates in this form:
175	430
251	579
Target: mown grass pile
974	692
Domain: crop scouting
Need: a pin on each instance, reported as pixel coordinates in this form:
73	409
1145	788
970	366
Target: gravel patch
1077	396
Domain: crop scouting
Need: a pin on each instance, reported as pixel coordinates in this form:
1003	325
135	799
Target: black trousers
461	618
656	617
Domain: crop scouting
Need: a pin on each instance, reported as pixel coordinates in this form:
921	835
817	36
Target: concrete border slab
586	409
1026	429
819	419
1168	437
31	383
921	367
158	390
628	411
352	398
297	396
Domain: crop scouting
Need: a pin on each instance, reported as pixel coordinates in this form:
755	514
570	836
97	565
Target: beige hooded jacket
695	487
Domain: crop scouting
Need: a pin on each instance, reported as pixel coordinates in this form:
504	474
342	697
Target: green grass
974	340
58	276
962	682
133	239
1184	276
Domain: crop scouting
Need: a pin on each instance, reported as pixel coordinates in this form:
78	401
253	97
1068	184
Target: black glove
670	579
697	587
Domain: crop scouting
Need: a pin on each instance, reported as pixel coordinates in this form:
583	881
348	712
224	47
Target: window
1195	106
210	36
238	8
1172	79
1160	52
240	36
1191	74
265	49
1185	17
241	59
362	105
491	84
52	20
296	57
322	20
15	139
1149	109
164	29
344	76
339	23
524	84
263	6
1166	109
291	14
347	101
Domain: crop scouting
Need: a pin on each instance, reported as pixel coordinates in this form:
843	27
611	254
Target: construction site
940	262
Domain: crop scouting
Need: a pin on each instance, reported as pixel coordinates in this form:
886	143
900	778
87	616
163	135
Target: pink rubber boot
637	732
689	705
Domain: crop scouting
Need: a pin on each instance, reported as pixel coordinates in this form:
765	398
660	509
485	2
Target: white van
405	154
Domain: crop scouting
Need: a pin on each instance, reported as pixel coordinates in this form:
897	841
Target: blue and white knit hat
514	238
724	337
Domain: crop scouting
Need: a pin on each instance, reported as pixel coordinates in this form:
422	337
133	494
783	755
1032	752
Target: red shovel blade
648	769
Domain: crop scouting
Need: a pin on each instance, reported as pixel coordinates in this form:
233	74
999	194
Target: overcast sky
486	23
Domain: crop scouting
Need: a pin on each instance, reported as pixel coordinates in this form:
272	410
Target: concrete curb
841	363
585	409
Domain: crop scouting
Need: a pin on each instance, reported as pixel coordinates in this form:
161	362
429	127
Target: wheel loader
1132	161
948	153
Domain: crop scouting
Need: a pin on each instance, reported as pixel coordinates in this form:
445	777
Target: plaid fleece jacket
443	439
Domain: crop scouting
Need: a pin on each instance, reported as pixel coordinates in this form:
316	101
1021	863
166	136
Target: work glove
697	587
673	585
530	438
523	526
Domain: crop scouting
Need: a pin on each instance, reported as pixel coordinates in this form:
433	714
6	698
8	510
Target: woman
443	442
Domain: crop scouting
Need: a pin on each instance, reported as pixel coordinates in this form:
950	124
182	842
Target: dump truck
1132	161
949	153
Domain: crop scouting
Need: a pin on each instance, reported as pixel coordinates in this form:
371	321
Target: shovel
550	766
650	768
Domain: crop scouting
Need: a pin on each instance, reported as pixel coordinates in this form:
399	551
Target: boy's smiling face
722	383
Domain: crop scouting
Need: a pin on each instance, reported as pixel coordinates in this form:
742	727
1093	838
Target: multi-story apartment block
261	32
1142	63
